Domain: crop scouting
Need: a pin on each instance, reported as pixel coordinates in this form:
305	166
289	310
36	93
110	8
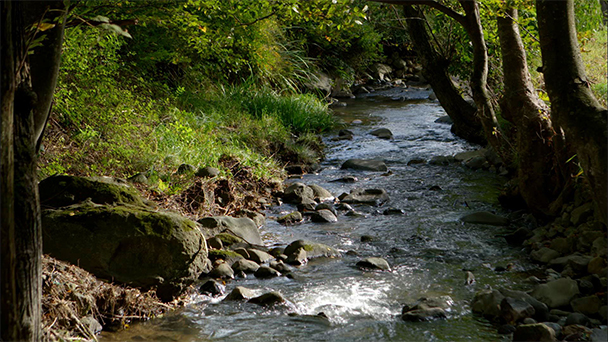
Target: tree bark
573	106
465	123
537	164
21	226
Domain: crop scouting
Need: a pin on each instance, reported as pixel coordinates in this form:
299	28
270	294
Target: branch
256	20
461	19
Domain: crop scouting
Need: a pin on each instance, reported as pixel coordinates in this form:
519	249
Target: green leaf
116	29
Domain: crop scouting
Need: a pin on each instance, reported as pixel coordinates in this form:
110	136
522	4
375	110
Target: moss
308	248
228	239
223	254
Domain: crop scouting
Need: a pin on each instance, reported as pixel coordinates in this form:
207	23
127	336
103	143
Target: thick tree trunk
21	227
537	170
479	80
573	106
466	123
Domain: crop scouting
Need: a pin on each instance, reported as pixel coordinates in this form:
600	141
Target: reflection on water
427	248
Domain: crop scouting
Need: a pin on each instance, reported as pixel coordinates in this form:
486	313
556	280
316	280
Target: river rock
577	318
59	191
561	245
541	311
280	266
597	266
589	305
239	293
423	314
258	256
291	218
366	196
374	264
207	172
268	299
212	288
222	271
265	272
599	335
321	194
382	133
580	214
556	293
243	227
484	217
346	179
464	156
313	249
297	193
533	332
257	218
477	163
327	206
297	257
244	265
129	245
393	211
444	120
441	160
365	165
487	303
515	310
323	216
215	243
544	255
599	247
228	239
576	261
585	239
381	71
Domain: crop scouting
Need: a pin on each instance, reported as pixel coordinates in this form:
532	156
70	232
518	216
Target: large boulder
366	196
128	244
365	165
556	293
487	303
60	190
242	227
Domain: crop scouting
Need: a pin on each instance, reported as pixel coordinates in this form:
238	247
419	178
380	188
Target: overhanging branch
431	3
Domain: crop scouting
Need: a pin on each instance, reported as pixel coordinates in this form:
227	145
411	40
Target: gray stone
589	305
541	311
242	252
222	271
365	165
212	288
476	163
561	245
323	216
280	266
91	325
515	310
259	256
239	293
423	314
265	272
556	293
246	266
374	263
533	332
597	266
487	303
382	133
207	171
580	214
599	335
243	227
577	318
313	249
393	211
268	299
346	179
544	255
139	177
215	243
599	247
298	193
321	194
555	326
485	217
366	196
464	156
576	261
441	160
444	120
327	206
586	239
257	218
131	245
297	257
291	218
381	71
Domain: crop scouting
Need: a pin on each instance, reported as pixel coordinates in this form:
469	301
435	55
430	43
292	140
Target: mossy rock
128	244
61	190
228	239
229	256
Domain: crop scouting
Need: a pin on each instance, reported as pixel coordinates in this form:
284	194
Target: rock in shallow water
533	332
239	293
485	217
374	263
365	165
268	299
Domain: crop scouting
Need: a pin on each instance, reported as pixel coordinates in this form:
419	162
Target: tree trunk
479	80
21	227
573	106
465	123
537	170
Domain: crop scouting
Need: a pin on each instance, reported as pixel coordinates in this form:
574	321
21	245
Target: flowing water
427	248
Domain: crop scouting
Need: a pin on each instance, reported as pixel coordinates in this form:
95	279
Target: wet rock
268	299
393	211
365	165
343	132
441	160
291	218
589	305
416	161
307	205
295	169
222	271
533	332
374	264
207	172
258	219
243	227
423	314
366	196
186	168
487	303
444	120
280	266
556	328
246	266
556	293
298	193
353	213
356	122
544	255
506	329
212	288
323	216
265	272
259	256
297	257
242	252
321	194
484	217
515	310
597	265
327	206
215	243
469	278
239	293
576	261
346	179
541	311
313	249
382	133
464	156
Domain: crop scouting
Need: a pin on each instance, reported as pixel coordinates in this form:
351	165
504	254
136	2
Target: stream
427	247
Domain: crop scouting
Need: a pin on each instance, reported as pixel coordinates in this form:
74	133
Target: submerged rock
366	196
365	165
268	299
382	133
485	217
212	288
